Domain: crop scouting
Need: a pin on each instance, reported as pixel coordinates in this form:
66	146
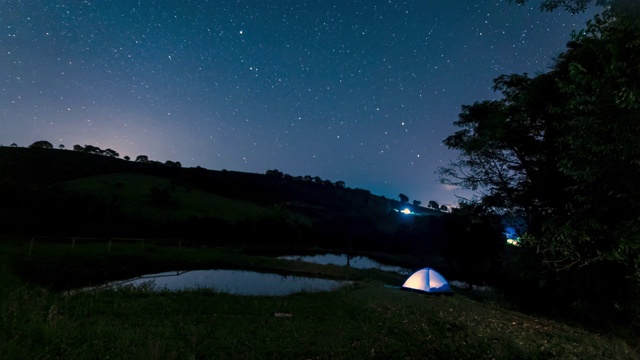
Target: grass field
132	194
364	321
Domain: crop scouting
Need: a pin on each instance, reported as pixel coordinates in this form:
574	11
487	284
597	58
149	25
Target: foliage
92	149
110	153
559	150
173	163
470	241
275	172
42	144
572	6
96	150
403	198
600	78
508	148
578	6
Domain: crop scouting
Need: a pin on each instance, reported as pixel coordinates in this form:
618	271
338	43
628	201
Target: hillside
45	167
51	192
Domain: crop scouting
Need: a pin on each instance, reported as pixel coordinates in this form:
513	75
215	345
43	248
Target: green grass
363	321
132	193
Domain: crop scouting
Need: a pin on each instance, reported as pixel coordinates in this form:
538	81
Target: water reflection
358	262
238	282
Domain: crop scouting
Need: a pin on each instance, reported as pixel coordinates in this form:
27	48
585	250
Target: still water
357	262
237	282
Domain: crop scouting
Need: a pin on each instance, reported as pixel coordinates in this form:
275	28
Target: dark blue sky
358	91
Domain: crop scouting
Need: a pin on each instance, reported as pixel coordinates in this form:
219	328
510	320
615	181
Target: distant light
406	211
513	242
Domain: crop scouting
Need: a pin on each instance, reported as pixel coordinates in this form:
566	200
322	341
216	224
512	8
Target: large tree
560	149
508	148
599	76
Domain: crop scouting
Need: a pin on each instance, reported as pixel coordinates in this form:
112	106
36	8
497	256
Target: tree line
90	149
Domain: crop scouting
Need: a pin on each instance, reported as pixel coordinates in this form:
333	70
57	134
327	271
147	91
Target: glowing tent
429	281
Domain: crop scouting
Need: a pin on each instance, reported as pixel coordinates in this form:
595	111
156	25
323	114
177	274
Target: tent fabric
427	280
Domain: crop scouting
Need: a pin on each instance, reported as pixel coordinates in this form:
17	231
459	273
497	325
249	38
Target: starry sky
360	91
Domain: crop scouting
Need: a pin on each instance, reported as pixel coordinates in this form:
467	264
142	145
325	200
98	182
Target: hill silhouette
63	193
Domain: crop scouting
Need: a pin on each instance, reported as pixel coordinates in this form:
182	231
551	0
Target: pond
357	262
237	282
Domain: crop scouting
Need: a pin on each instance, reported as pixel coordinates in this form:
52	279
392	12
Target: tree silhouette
433	205
42	144
560	149
275	173
110	153
173	163
572	6
417	202
403	198
142	158
93	150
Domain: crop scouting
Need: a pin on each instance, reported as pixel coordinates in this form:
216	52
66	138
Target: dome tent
429	281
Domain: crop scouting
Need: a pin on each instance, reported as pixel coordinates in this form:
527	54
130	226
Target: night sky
357	91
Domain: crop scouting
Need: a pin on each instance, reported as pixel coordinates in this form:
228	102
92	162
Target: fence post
30	246
73	243
109	248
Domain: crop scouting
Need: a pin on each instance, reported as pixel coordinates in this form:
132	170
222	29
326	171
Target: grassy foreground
366	320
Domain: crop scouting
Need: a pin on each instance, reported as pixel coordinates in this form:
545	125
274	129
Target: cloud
447	187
